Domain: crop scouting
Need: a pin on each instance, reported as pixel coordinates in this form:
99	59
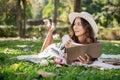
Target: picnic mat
99	64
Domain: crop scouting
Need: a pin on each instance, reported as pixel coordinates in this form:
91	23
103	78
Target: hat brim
85	16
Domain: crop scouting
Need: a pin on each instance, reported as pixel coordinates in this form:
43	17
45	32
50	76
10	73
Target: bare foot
47	23
52	27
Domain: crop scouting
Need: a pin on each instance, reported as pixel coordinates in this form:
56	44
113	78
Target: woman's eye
77	24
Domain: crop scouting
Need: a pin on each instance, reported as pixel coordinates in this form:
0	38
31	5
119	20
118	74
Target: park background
24	18
22	32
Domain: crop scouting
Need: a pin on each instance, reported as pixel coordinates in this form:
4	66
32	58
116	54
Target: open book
93	50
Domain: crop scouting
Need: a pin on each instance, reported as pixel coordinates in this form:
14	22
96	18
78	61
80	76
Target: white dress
55	50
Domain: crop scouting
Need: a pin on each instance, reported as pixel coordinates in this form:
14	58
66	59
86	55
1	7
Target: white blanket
100	64
96	64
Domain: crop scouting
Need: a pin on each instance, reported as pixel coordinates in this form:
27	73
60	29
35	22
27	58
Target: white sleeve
65	38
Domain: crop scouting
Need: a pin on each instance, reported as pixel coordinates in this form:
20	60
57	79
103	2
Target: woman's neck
81	39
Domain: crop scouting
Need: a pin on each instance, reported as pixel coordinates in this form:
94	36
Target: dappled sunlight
22	46
10	51
117	45
112	41
16	46
14	66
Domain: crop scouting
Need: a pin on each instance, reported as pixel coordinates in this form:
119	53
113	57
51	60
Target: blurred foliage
40	32
8	12
8	31
109	33
106	13
48	10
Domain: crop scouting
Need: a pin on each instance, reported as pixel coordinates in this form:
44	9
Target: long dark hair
88	35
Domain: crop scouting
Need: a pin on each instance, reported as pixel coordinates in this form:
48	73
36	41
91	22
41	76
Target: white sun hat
86	16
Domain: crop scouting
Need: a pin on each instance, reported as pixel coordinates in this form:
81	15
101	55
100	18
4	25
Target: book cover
93	50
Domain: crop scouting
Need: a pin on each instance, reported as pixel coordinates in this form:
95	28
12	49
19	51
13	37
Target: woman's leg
49	38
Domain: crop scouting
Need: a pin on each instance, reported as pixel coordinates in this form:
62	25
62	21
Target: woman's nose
75	26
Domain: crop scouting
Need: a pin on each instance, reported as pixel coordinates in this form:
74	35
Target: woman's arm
49	38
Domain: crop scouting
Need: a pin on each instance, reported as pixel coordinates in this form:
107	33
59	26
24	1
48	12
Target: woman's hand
68	43
86	60
50	27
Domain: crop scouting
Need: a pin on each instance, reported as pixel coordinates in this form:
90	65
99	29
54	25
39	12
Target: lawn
13	69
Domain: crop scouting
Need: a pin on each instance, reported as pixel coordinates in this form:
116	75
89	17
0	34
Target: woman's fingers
87	57
80	57
68	43
84	60
81	60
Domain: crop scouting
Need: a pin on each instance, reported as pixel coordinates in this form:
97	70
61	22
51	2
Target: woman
84	31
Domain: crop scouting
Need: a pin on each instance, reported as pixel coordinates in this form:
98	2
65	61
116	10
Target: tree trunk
24	18
21	17
55	11
77	6
18	16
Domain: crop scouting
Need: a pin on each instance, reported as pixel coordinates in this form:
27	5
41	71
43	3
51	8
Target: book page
73	44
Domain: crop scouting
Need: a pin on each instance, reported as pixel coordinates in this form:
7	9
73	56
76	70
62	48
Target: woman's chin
77	34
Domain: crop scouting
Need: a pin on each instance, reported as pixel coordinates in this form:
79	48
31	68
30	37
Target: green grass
13	69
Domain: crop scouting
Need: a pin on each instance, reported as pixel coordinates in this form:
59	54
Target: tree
21	17
55	10
106	12
64	7
77	6
7	12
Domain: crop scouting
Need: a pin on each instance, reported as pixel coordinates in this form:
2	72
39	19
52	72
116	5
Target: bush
40	32
8	31
35	32
109	33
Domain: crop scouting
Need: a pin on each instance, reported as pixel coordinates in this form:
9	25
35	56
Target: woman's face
78	28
